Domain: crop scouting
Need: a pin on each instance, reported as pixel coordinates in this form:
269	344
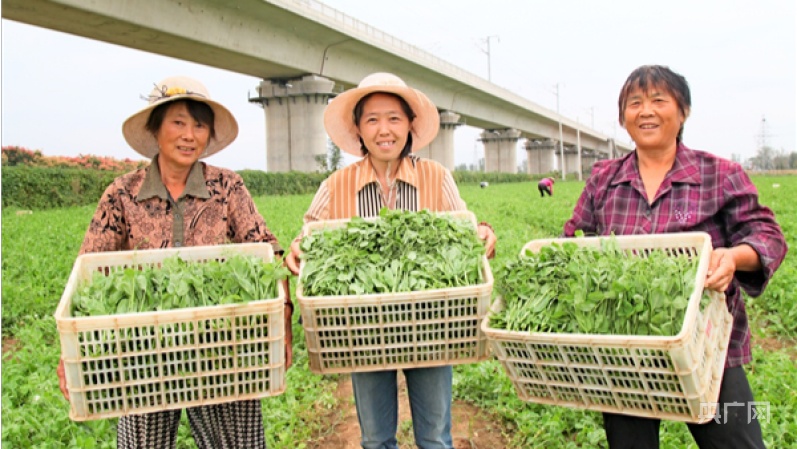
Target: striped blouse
354	190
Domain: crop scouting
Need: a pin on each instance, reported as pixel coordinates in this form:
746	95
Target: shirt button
647	213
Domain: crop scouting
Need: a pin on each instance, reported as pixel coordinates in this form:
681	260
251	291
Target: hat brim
339	117
145	143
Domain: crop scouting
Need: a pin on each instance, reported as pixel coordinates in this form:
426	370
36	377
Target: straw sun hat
173	89
339	115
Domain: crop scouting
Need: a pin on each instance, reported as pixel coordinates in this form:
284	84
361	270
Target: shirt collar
628	169
685	168
152	186
406	172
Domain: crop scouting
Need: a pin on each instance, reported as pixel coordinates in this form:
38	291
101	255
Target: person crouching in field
545	186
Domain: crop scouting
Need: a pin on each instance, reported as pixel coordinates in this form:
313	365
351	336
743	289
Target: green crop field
38	251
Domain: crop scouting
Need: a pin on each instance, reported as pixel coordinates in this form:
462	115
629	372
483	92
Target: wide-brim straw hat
339	114
173	89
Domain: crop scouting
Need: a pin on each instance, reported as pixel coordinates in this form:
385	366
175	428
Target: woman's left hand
486	233
721	269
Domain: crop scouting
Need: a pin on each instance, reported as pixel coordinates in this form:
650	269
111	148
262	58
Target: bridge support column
539	156
294	111
500	150
613	153
587	161
571	160
441	149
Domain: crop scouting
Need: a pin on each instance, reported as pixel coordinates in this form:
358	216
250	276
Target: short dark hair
649	76
201	112
358	114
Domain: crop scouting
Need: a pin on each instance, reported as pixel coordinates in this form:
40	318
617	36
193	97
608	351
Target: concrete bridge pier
539	156
572	162
500	150
294	113
613	151
587	161
441	149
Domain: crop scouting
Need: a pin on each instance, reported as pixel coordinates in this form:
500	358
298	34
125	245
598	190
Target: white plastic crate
136	363
673	378
373	332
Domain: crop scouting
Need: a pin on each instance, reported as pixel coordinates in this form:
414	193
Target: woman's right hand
292	259
62	379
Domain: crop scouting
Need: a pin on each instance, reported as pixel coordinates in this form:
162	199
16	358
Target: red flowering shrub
14	155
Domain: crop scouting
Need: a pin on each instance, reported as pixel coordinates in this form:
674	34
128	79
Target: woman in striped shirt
384	121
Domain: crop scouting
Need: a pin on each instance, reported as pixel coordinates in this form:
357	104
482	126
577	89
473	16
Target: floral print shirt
137	212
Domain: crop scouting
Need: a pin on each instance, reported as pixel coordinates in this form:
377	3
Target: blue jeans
376	397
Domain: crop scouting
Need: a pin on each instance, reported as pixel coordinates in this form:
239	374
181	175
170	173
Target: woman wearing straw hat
384	121
180	201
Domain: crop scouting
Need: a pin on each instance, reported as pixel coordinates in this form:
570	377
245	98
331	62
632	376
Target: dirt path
471	427
9	346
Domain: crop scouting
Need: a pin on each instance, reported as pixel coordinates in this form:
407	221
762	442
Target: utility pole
487	39
561	144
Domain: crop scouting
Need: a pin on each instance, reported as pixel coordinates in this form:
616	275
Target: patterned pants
233	425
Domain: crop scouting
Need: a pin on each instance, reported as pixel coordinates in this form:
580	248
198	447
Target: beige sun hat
339	115
172	89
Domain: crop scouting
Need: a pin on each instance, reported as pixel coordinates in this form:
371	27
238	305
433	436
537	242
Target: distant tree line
768	158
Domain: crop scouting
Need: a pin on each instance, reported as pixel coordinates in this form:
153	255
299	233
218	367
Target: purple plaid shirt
701	192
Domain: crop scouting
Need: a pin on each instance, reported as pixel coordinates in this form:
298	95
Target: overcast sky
67	95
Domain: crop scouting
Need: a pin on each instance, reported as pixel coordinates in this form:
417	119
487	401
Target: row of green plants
38	188
40	248
46	187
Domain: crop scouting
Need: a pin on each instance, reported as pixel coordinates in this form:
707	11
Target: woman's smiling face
652	118
181	138
384	127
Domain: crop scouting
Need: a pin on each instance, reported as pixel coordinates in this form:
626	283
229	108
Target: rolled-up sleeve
748	222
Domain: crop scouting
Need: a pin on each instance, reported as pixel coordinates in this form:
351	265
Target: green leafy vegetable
400	252
179	284
569	288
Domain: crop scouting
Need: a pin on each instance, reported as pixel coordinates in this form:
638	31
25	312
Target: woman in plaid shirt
663	187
